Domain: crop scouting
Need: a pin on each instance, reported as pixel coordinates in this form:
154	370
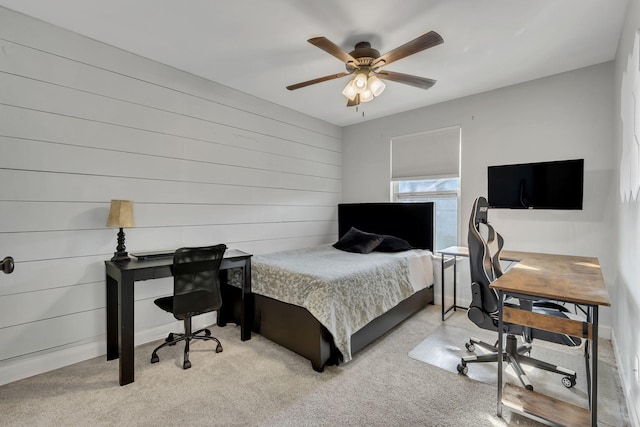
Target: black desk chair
485	245
196	290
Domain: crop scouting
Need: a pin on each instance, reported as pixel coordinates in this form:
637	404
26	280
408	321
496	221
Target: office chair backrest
485	245
196	286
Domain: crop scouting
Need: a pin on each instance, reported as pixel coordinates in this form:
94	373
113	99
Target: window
444	193
425	167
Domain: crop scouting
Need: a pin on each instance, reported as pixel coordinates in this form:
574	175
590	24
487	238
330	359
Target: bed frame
296	329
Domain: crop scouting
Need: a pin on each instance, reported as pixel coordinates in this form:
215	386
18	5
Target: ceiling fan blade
420	82
318	80
332	49
356	101
423	42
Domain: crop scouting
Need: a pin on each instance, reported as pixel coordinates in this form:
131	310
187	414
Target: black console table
121	276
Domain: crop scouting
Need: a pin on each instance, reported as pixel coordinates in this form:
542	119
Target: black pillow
393	244
358	241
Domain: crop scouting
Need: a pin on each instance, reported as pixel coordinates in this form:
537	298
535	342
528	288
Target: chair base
516	357
174	338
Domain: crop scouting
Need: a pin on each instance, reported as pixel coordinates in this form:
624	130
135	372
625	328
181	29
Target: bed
326	304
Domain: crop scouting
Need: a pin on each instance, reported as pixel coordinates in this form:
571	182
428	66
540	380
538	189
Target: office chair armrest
530	303
525	304
551	305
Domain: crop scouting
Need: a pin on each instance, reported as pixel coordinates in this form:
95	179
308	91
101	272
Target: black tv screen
545	185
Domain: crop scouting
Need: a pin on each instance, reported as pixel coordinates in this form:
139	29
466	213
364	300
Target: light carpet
258	383
445	347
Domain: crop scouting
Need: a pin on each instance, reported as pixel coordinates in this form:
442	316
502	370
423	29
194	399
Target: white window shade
426	155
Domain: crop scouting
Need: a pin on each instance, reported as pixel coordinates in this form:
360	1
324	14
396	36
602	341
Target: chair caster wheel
470	347
186	364
219	348
568	382
154	358
207	333
463	369
169	339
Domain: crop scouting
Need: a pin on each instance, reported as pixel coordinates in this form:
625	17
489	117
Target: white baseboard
625	378
45	361
34	364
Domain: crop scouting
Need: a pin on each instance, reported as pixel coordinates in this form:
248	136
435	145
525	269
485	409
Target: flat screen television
544	185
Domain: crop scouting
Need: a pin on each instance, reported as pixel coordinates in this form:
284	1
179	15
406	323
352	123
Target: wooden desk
121	276
565	278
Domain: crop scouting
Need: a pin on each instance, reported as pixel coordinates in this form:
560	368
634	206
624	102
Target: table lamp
120	215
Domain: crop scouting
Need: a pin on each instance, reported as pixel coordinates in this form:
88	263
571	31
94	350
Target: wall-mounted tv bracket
7	265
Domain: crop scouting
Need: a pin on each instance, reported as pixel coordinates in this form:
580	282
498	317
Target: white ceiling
259	46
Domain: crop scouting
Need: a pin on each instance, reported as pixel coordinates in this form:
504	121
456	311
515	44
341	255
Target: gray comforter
343	290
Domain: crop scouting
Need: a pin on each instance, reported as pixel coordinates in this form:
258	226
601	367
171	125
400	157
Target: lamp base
120	256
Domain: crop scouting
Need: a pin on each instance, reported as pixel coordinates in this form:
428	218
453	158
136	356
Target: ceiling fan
365	64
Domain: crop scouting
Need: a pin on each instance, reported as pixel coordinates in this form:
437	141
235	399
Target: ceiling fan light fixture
360	82
349	91
376	85
366	96
364	64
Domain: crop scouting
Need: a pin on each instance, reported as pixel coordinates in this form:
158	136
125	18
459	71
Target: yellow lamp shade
120	214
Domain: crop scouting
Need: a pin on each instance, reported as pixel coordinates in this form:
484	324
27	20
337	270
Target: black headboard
412	222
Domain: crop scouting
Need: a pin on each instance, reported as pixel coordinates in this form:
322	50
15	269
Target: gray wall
625	289
565	116
82	123
570	115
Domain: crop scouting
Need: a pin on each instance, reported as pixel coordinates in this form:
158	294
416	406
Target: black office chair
196	290
485	245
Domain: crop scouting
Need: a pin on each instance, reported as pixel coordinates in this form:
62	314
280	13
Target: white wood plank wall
82	123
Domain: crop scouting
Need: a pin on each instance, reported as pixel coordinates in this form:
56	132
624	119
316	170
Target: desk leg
112	318
246	320
594	367
587	357
444	264
500	349
442	285
226	310
455	284
125	323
